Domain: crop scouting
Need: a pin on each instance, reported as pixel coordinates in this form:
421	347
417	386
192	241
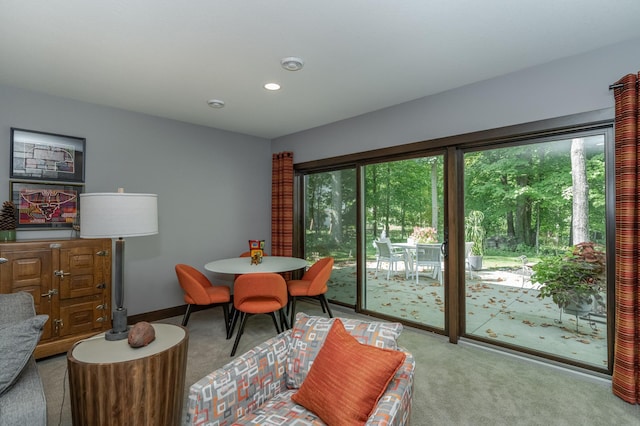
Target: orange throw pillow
347	378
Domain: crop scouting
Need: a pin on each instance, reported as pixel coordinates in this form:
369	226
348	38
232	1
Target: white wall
564	87
214	187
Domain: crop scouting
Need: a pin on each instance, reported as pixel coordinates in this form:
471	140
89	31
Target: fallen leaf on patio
545	324
567	337
386	304
529	323
420	297
489	330
471	313
586	342
510	335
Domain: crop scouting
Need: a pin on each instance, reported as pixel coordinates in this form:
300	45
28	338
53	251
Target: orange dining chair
198	290
259	293
312	284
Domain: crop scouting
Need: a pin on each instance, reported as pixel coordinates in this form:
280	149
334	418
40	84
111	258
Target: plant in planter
8	222
574	281
475	233
424	235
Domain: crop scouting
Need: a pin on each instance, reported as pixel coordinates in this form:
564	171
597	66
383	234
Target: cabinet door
30	270
83	278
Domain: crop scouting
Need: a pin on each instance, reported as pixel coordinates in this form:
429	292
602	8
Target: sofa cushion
17	343
309	332
347	378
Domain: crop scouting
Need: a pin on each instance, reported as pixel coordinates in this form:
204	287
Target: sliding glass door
506	242
536	216
330	228
404	229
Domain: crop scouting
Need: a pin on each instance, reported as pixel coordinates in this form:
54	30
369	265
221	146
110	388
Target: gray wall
214	187
564	87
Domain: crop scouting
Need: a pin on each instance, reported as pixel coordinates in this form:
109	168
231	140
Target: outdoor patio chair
429	256
467	252
391	256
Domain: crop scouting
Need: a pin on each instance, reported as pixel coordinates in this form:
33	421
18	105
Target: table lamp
118	215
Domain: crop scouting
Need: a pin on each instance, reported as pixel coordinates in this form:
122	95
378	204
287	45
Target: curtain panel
282	204
626	367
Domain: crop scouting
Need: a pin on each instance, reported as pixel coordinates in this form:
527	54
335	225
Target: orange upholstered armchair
259	293
312	284
198	290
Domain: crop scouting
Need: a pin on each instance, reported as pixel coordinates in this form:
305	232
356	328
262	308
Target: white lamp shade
118	214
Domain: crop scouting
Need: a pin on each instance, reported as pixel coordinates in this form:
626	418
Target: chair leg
187	314
234	321
293	309
283	320
225	311
243	321
275	321
325	304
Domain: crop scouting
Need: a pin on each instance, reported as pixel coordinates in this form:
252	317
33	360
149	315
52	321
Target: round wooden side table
114	384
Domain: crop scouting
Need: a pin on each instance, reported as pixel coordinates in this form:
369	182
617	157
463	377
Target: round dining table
243	265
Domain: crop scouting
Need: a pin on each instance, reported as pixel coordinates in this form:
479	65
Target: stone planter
475	262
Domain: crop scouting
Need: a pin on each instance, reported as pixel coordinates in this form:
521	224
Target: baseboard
163	313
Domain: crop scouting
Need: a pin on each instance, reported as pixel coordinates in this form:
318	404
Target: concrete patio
502	304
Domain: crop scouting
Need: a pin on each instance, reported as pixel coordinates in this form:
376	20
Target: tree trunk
434	195
336	206
580	228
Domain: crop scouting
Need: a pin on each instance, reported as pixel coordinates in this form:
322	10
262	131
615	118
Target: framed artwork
46	205
47	156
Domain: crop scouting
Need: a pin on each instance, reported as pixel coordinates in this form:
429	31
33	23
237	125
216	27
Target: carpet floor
454	384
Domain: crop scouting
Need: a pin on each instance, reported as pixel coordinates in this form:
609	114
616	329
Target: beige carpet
454	384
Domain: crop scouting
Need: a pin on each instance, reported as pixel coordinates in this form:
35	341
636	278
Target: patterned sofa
256	388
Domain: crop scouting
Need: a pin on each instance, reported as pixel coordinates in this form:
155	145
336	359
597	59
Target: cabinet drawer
81	317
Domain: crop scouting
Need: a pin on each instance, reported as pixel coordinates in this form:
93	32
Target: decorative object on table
46	156
8	222
118	215
256	251
575	281
423	235
475	233
46	205
141	334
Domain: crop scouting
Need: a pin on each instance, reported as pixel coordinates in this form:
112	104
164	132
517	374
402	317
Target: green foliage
577	277
475	232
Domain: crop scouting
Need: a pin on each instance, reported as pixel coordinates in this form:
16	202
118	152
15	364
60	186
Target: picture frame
42	205
47	156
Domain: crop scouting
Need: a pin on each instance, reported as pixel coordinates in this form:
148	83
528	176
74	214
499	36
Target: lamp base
120	328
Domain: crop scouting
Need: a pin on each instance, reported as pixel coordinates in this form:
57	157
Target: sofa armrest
394	406
240	386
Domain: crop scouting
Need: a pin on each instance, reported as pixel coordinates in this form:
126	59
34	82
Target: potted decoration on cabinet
475	233
576	280
8	222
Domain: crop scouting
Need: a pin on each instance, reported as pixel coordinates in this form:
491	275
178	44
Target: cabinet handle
103	253
3	260
101	319
102	307
101	285
55	245
61	274
50	293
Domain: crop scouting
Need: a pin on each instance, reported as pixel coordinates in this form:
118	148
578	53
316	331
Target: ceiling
168	57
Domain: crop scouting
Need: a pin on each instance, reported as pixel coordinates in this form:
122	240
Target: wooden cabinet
70	280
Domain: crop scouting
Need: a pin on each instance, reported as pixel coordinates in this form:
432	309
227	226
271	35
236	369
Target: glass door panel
536	215
404	228
330	229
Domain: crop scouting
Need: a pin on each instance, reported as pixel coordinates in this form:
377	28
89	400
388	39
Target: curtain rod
615	86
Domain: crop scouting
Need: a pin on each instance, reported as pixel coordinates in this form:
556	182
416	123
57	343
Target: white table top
242	265
98	350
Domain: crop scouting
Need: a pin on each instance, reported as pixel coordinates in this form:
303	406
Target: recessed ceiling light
215	103
272	86
292	63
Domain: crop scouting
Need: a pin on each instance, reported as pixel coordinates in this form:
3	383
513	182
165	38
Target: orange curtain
282	204
626	367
